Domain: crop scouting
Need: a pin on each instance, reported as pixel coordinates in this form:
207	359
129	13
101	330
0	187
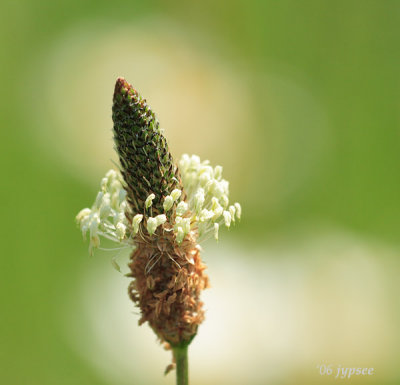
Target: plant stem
182	370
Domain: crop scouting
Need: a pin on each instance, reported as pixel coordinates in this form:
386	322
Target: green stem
182	371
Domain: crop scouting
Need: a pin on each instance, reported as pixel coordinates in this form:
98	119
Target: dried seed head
168	294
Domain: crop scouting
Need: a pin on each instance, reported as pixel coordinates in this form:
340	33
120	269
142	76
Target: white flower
216	208
227	218
218	172
205	215
181	208
207	195
180	235
217	213
94	224
216	228
82	215
194	161
120	230
199	200
118	217
104	183
161	219
151	225
121	195
107	215
105	207
176	194
232	210
94	243
99	198
135	222
204	179
149	200
238	210
111	174
186	225
168	202
224	200
204	210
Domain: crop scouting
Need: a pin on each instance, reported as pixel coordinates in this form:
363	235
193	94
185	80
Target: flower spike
162	213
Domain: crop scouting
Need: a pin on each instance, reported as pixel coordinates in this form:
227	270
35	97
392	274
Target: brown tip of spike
122	87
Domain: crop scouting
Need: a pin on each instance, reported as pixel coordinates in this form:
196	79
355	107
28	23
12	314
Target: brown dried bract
168	281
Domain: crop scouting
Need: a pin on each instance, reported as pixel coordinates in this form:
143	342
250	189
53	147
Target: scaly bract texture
146	163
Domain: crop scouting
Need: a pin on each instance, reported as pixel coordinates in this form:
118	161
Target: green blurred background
298	100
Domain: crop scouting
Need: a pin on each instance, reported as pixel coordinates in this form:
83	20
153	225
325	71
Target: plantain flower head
163	210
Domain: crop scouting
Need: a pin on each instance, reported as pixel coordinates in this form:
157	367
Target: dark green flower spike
146	163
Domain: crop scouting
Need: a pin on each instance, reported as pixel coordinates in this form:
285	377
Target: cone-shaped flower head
149	207
147	165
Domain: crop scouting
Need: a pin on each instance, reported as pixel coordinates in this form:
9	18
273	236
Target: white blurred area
202	102
273	314
261	124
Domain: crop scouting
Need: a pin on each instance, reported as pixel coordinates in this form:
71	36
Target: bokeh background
298	100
